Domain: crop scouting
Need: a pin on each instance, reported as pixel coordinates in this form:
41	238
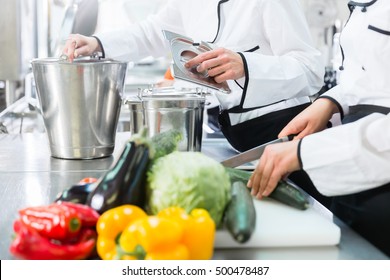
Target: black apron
367	212
257	131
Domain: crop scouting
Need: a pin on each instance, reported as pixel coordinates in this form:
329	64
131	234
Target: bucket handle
93	56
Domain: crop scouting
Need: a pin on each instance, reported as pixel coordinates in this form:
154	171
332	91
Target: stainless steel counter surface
30	176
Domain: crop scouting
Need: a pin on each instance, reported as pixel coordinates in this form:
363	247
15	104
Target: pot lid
184	49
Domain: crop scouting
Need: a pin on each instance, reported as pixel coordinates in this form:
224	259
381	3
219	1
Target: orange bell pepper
199	230
110	226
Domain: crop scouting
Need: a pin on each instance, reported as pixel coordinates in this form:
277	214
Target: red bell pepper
87	215
29	244
53	221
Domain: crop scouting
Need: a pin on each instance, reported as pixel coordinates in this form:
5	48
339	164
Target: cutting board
279	225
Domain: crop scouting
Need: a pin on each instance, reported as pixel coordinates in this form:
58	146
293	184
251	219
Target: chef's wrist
99	47
332	105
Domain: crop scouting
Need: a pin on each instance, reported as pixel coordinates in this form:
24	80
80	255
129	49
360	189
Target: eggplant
124	182
77	193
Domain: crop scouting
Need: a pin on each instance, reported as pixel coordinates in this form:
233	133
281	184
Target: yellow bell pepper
154	238
109	227
199	231
126	232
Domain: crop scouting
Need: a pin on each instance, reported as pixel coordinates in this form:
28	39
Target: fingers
220	64
277	161
258	179
77	45
221	73
291	128
82	51
264	179
266	171
200	58
70	48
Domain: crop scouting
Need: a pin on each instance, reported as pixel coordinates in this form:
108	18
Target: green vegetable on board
284	192
240	213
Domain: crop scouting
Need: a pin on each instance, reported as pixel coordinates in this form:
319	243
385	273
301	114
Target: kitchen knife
252	154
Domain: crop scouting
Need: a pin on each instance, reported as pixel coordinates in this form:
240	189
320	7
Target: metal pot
80	103
161	110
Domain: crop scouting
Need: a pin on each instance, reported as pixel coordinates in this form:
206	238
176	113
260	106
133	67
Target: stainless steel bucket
80	103
166	109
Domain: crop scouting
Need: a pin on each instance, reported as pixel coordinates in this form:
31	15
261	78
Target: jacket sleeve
294	69
145	38
349	158
335	94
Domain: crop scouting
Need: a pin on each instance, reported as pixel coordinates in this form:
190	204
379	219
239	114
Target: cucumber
288	194
238	175
240	213
284	192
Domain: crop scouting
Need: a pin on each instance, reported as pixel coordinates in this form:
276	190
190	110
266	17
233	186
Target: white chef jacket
365	43
281	66
356	157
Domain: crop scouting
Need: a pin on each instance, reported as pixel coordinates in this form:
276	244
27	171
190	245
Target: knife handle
287	138
291	136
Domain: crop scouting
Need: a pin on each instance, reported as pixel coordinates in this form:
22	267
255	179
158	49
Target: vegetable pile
153	203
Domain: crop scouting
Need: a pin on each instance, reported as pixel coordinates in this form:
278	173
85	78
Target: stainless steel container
80	103
166	109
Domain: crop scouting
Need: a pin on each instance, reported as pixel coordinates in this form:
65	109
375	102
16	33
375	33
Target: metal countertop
30	176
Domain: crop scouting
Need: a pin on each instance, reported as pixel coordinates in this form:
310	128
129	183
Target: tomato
88	180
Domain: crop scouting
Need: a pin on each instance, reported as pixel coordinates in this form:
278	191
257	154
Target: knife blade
252	154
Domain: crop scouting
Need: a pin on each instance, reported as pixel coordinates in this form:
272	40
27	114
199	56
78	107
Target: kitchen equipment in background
18	45
163	109
183	49
252	154
80	103
321	16
326	19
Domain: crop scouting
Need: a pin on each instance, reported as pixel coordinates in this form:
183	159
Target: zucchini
284	192
240	213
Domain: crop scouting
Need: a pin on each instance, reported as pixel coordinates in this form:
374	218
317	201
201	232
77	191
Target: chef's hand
221	64
313	119
79	45
277	161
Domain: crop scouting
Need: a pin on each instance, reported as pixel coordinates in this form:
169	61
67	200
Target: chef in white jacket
351	162
262	48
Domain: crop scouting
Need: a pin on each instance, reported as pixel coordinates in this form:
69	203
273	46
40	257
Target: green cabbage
188	180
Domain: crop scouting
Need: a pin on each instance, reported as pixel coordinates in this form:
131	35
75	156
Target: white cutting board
279	225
